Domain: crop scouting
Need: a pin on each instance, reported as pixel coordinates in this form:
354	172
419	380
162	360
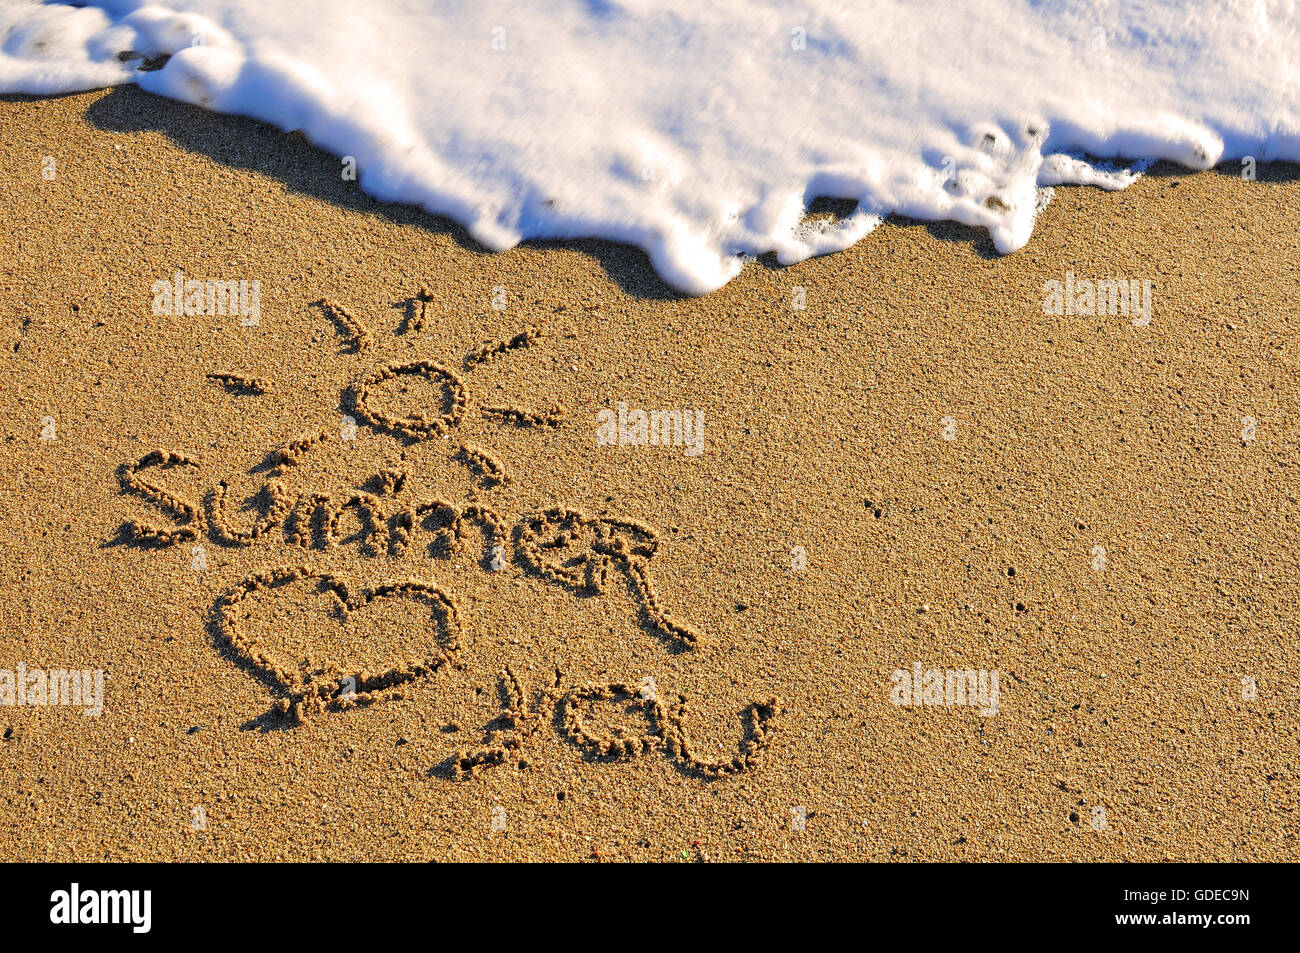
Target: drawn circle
416	425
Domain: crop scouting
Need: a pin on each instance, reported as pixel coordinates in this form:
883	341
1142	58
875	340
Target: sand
1096	522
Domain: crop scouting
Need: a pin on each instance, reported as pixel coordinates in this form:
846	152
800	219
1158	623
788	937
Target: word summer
655	428
134	907
946	687
74	688
182	296
1100	296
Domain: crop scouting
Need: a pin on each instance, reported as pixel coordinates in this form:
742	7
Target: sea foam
700	130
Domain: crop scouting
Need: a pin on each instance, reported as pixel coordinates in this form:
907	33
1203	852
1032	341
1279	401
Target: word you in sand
561	545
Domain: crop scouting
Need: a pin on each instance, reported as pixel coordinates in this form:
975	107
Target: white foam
700	129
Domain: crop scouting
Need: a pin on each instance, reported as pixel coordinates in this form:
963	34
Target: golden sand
366	586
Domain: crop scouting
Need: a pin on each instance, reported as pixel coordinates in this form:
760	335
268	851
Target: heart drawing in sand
313	685
406	630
